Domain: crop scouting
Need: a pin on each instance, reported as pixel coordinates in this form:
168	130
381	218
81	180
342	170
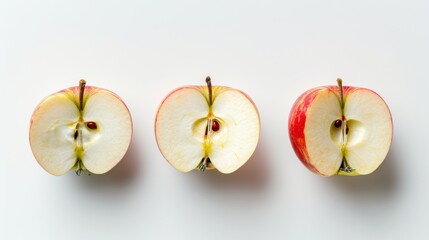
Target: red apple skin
297	119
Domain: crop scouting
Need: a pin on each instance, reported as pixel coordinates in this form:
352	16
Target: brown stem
82	84
209	86
340	87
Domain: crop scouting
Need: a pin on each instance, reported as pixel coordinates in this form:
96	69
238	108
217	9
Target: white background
273	51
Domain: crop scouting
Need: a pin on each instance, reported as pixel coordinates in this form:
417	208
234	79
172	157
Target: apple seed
338	123
215	126
91	125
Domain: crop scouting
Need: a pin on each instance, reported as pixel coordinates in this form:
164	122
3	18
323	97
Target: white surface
273	51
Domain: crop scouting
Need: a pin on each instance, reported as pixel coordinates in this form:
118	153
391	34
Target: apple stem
209	86
340	87
82	84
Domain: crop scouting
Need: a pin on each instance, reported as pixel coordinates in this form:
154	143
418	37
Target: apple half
205	127
340	130
86	129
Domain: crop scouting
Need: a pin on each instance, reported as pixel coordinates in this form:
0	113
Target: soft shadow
382	183
252	175
123	174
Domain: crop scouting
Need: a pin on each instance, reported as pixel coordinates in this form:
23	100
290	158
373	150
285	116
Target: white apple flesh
81	128
205	127
341	130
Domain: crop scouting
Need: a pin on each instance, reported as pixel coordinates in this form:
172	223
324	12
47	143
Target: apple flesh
81	128
205	127
340	130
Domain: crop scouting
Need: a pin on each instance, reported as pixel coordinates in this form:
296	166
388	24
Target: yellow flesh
324	146
51	133
370	131
235	142
175	128
105	146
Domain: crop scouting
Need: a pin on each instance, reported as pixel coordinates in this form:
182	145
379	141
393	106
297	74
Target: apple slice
340	130
205	127
81	128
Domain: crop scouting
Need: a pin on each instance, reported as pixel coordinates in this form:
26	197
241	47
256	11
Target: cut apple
205	127
82	128
341	130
